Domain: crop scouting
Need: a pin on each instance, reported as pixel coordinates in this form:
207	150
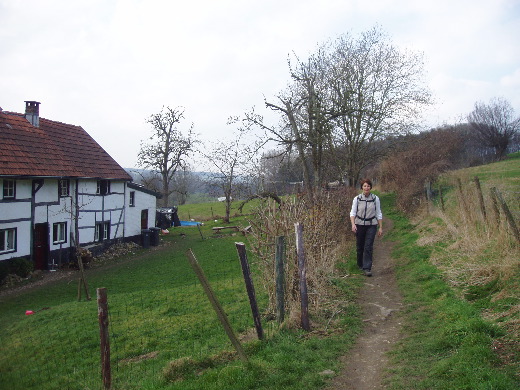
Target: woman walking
365	217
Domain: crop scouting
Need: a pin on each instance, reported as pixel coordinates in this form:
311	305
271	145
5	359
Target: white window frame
7	240
103	187
9	189
59	236
102	228
131	202
63	187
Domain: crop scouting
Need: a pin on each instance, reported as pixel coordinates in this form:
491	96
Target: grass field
164	333
209	211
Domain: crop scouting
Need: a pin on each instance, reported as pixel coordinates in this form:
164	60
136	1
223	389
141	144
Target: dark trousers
365	245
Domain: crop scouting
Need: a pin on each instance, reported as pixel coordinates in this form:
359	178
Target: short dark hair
363	181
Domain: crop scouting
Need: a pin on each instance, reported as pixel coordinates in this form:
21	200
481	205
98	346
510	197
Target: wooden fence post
280	278
242	255
508	214
496	210
216	305
302	273
200	231
103	336
480	198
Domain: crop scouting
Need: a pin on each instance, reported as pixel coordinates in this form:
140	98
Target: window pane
63	187
58	232
61	234
7	239
8	190
10	239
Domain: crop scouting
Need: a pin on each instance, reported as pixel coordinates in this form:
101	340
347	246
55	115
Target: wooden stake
103	337
480	198
280	278
242	255
216	305
302	273
508	214
496	210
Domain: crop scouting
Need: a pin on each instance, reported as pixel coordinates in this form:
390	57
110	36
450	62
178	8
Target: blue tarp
189	223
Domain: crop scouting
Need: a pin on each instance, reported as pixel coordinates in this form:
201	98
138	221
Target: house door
144	219
41	245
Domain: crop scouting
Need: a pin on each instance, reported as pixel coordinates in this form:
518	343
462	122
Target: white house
58	186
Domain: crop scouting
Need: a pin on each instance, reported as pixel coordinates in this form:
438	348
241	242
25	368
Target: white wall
50	208
21	211
143	201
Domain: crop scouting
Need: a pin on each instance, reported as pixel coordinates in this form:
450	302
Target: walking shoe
367	272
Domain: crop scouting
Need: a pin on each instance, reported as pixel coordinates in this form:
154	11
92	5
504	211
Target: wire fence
148	330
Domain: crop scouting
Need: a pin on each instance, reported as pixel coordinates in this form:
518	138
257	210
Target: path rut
365	364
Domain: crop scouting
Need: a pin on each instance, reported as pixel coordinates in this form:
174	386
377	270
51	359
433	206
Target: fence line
137	334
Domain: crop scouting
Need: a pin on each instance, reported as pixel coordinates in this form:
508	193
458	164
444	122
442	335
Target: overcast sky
108	65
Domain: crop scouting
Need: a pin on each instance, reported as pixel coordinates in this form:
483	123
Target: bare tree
183	184
168	148
349	94
495	125
379	88
280	172
305	117
233	165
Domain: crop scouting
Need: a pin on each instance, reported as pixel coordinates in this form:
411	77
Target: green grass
159	317
212	210
446	344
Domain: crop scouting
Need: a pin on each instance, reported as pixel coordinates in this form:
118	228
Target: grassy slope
449	344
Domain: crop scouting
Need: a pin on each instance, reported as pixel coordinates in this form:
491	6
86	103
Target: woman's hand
380	232
354	228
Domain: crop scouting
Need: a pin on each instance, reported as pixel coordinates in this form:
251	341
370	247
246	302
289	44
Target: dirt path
364	365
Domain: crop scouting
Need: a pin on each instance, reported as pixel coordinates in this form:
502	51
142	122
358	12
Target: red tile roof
52	150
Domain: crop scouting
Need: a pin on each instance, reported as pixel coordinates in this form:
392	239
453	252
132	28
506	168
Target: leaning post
480	198
242	255
302	273
216	305
508	214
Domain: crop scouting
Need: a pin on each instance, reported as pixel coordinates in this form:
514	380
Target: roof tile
54	149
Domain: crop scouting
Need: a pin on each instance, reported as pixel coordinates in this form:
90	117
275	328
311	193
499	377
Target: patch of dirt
36	280
365	364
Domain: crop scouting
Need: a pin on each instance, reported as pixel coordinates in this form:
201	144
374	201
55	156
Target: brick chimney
32	112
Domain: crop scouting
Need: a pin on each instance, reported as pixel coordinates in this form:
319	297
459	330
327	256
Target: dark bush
20	266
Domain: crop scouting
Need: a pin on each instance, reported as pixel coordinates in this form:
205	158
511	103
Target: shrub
20	266
326	230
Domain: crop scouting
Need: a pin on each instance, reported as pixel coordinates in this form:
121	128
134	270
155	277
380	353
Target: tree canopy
168	147
494	124
350	93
